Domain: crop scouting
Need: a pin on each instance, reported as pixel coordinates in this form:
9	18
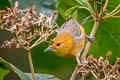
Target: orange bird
70	40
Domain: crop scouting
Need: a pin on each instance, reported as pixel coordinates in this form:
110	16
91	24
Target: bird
70	39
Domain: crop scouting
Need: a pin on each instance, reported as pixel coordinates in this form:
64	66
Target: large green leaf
71	10
64	5
3	72
107	39
21	74
42	76
5	67
4	4
82	2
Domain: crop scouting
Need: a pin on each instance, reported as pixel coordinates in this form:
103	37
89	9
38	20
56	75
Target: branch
94	74
116	17
105	5
95	27
31	65
74	73
91	10
40	40
103	8
95	8
114	12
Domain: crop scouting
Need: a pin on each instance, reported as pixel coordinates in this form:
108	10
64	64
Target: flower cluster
26	24
101	69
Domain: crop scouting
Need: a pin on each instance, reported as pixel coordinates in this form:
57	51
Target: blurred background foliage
107	39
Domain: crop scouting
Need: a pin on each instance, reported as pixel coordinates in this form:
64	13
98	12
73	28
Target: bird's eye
58	44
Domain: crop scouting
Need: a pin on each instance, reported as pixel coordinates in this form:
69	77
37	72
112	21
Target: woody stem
31	65
95	27
74	73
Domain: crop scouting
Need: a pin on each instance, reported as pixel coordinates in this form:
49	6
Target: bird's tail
84	20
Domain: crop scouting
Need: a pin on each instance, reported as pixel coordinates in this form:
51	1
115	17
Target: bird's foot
90	38
78	65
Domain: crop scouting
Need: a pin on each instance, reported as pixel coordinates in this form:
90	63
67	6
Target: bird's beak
49	49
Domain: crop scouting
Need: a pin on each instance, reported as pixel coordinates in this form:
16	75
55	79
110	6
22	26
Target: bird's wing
71	26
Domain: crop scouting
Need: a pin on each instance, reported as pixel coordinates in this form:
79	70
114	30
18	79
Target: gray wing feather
71	26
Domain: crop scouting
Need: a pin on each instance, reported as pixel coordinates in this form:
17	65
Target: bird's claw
90	38
78	65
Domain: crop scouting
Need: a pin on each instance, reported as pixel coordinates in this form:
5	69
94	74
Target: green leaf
21	74
4	4
71	10
64	5
107	39
82	2
42	76
6	67
3	73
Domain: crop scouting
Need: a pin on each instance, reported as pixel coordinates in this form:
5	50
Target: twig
116	9
114	12
31	65
91	10
106	17
103	9
116	17
74	73
36	42
41	39
95	8
95	27
94	74
21	43
105	5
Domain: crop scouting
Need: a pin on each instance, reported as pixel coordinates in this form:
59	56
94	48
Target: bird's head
62	43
